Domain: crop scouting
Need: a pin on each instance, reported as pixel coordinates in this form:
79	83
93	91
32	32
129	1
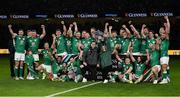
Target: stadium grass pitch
10	87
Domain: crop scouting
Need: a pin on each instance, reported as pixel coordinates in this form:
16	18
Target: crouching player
57	68
74	71
126	75
46	68
139	67
29	60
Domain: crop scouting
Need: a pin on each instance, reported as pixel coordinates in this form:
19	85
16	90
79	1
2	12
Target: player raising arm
59	41
125	41
135	40
144	30
139	67
154	60
164	46
20	41
33	44
76	40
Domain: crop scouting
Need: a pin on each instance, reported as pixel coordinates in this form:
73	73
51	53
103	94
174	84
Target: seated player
58	68
74	71
126	75
46	66
139	67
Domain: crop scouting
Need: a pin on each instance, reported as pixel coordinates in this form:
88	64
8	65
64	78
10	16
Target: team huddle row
120	56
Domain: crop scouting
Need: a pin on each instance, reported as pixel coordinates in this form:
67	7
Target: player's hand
128	53
85	64
131	25
124	26
156	35
56	55
53	35
144	25
165	24
9	26
74	23
62	22
166	17
98	65
129	22
130	49
42	26
106	24
110	27
71	25
158	41
82	46
81	66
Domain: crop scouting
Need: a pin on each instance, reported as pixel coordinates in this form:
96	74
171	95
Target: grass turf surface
10	87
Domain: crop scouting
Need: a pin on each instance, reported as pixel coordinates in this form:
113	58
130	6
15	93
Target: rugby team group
76	55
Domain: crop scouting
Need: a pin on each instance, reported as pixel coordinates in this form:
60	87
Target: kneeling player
74	71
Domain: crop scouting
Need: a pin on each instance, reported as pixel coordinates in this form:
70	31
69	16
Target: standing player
86	42
125	41
150	41
164	46
144	31
112	38
33	44
20	41
68	40
59	42
76	40
135	40
154	60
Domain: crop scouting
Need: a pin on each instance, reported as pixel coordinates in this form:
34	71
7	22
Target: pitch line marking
73	89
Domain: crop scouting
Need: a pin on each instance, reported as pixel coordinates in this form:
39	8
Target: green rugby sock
21	72
16	71
115	76
164	75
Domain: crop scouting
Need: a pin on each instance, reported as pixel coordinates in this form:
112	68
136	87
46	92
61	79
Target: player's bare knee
164	66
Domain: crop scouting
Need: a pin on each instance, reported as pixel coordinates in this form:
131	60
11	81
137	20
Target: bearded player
20	41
